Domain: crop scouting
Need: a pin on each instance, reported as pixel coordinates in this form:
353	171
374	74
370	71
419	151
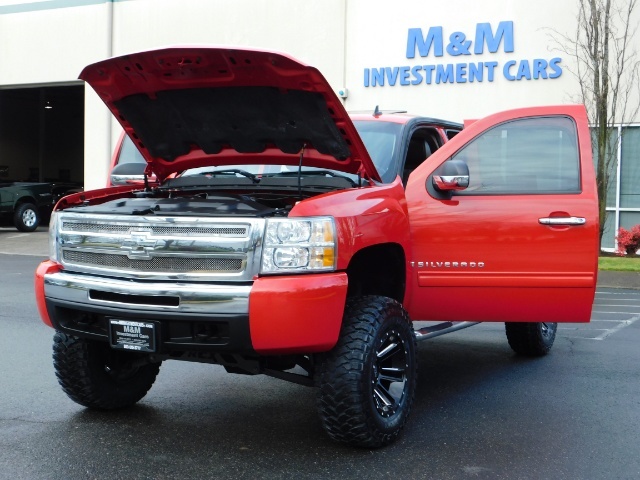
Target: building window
623	197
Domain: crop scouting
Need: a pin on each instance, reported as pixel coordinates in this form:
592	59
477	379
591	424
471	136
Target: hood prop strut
304	145
146	182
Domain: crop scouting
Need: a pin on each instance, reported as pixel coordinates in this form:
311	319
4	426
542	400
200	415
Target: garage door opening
42	135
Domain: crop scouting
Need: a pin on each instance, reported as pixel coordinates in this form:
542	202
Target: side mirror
129	173
451	175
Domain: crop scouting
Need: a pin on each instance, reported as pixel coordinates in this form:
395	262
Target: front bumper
272	315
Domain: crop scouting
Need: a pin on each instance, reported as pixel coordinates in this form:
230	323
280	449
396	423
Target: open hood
187	107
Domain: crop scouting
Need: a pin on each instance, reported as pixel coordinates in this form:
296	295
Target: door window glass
526	156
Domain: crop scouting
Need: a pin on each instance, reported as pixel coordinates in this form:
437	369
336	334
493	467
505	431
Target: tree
607	68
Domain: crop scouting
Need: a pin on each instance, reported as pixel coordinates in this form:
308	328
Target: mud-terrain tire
367	382
97	376
531	339
26	218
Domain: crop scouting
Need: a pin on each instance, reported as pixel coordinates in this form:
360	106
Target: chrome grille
185	248
95	228
174	231
155	264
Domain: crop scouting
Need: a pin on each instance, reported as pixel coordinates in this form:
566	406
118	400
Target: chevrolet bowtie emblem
139	246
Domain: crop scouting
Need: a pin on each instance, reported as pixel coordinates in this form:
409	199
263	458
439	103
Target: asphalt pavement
480	412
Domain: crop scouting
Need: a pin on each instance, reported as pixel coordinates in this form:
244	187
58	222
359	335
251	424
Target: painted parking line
590	332
617	328
613	310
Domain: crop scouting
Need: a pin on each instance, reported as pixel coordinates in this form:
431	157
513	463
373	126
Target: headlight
53	237
299	245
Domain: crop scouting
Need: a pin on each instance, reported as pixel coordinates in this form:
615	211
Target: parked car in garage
25	204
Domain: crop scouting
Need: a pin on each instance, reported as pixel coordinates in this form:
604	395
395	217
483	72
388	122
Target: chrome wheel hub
29	218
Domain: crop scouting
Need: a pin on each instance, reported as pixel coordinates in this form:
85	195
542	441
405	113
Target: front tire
97	376
26	217
531	339
368	381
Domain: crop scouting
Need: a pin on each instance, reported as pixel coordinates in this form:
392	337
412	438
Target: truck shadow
451	367
229	423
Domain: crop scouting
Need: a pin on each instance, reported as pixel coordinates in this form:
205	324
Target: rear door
520	242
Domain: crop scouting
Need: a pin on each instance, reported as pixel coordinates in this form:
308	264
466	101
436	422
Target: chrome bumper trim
190	297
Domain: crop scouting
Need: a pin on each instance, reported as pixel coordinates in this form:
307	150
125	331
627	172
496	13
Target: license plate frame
132	335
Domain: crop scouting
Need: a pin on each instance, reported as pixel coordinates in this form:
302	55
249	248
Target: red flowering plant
628	241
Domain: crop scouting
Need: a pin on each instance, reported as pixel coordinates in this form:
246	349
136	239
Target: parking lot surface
480	412
13	242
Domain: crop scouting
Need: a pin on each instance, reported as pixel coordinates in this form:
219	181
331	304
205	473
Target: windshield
130	154
381	140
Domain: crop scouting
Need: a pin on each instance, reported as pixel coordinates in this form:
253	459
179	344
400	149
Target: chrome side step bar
433	331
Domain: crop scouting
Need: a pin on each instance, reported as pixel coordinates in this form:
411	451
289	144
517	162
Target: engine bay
199	205
205	196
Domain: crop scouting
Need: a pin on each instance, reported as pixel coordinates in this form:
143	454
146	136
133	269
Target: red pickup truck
281	236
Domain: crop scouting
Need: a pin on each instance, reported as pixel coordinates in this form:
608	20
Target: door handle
568	221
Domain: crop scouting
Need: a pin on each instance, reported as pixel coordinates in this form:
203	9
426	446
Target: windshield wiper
232	171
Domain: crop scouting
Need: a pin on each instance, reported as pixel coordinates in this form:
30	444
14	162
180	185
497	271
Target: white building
455	60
